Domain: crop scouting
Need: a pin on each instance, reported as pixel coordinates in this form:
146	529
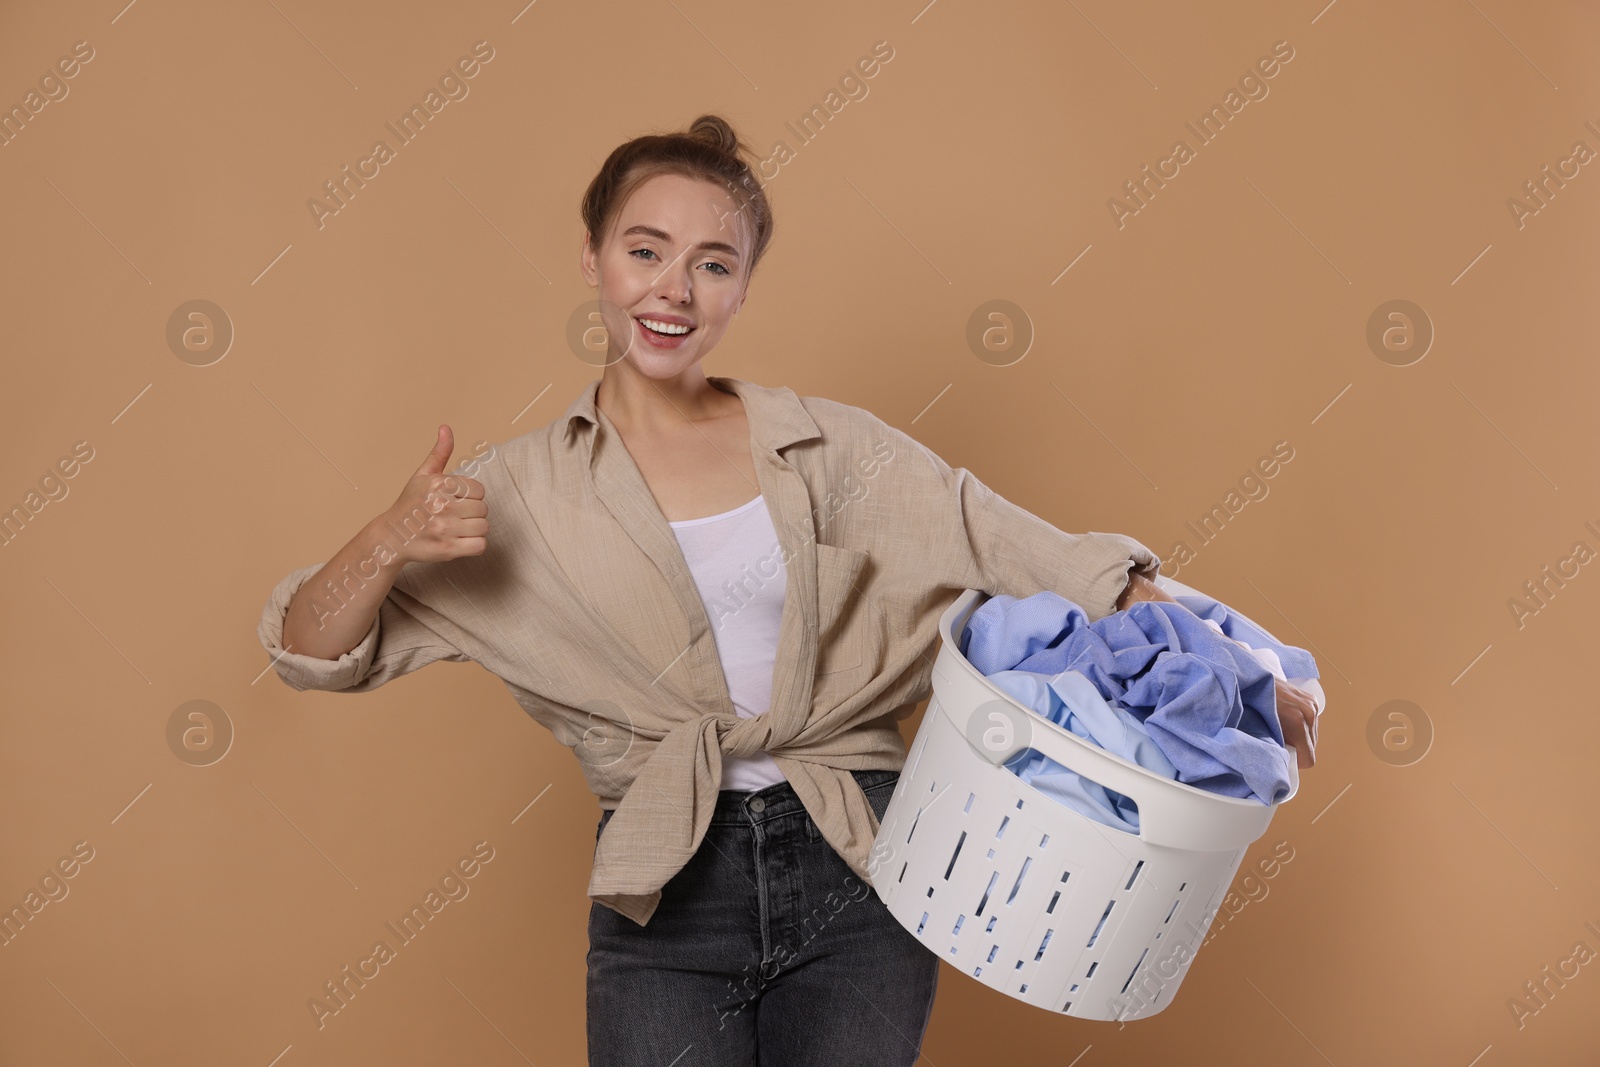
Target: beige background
1230	313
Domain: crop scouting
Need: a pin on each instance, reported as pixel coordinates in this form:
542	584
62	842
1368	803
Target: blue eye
721	270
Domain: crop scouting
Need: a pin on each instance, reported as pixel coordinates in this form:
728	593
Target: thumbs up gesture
440	516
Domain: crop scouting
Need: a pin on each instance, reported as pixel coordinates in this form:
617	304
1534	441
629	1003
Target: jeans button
757	804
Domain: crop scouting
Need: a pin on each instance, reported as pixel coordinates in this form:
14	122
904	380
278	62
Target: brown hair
708	150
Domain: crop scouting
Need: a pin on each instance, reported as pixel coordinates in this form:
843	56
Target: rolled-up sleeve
1018	553
396	643
1009	549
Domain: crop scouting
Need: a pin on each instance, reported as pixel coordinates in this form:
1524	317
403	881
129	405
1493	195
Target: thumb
440	456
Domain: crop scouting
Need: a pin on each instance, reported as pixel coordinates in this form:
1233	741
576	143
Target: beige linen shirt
583	606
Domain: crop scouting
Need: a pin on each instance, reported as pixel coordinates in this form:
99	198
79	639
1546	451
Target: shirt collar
776	416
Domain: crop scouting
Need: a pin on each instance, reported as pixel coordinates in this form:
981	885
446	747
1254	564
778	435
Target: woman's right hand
440	516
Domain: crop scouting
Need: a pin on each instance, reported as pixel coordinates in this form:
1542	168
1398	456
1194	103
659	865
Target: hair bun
715	131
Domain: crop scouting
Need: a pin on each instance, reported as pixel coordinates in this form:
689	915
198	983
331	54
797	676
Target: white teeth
665	327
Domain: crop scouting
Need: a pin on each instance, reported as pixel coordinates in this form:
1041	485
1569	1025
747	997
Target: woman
722	597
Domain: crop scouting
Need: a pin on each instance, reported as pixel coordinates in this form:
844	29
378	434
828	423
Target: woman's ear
587	261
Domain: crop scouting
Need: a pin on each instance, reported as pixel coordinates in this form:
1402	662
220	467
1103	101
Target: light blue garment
1071	703
1297	662
1207	704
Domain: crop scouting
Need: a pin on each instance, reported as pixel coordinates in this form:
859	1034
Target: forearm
331	613
1141	588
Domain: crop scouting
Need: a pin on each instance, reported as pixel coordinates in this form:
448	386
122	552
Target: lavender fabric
1060	699
1297	662
1209	706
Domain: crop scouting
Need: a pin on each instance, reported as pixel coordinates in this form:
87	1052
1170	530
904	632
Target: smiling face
675	256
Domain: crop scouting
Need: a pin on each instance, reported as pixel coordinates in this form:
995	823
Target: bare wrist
383	545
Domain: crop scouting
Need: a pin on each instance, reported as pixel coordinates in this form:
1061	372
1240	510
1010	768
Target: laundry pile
1161	684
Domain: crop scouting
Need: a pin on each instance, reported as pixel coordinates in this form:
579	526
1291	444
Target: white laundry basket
1028	896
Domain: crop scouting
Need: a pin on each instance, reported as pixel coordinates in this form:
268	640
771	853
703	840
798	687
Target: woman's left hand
1297	717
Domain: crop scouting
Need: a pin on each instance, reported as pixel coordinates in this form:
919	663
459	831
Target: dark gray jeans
766	949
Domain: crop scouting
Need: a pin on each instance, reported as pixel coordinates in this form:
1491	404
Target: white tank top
737	563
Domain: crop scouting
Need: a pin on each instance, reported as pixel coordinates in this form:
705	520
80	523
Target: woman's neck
633	401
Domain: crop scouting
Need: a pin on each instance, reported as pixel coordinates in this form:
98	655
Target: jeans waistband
738	807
